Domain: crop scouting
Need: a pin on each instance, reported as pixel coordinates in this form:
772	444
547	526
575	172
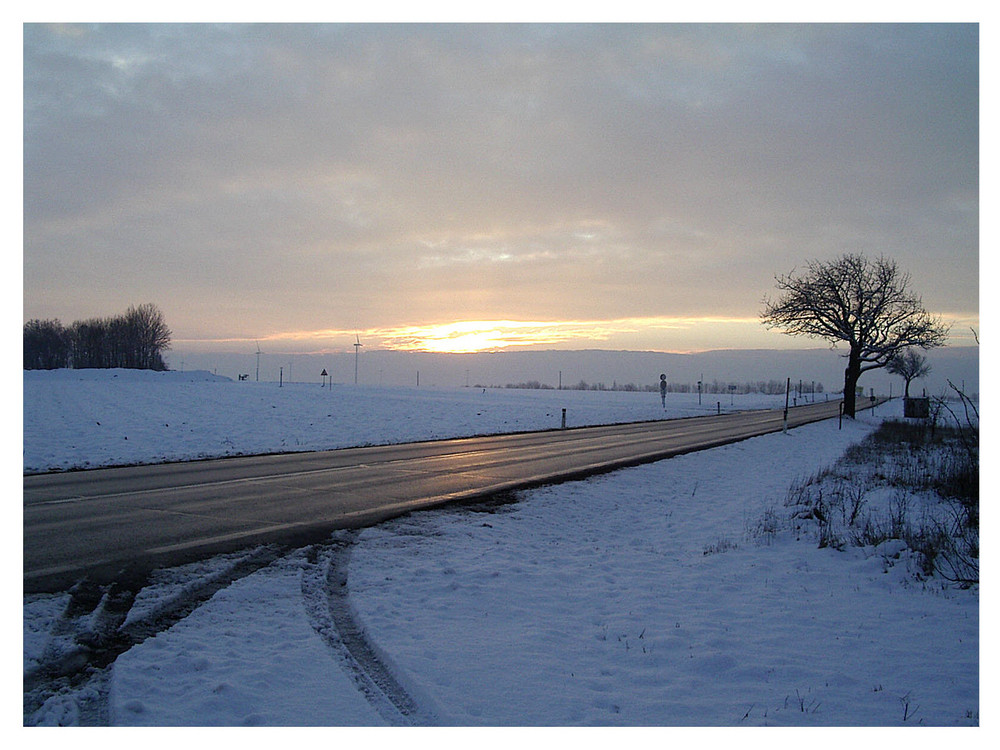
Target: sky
464	187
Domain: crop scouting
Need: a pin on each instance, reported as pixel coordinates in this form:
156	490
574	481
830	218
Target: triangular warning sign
324	373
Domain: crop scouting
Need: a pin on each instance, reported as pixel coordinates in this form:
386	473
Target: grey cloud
307	159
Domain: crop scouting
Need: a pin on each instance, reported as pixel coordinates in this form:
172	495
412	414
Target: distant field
88	418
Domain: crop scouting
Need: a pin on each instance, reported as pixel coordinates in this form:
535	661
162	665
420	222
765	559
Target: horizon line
470	336
525	350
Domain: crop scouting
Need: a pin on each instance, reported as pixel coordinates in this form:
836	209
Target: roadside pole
788	385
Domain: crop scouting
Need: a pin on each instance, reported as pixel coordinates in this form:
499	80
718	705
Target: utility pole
357	348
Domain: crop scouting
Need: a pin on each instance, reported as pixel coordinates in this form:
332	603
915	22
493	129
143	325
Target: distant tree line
135	340
767	387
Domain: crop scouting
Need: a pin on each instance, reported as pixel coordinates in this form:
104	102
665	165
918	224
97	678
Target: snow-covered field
89	418
651	596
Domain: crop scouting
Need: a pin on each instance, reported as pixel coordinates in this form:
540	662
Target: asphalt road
103	522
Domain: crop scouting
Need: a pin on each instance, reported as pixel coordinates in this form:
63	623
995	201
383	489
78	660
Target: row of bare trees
767	387
135	340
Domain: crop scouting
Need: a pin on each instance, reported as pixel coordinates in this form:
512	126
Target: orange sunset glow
674	334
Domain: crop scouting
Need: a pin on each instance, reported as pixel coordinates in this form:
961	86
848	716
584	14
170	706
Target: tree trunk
851	376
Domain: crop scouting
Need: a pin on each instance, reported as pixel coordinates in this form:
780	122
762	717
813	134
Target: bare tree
87	343
865	304
46	345
909	365
147	336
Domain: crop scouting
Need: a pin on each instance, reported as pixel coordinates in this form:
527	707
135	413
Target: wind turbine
258	360
357	348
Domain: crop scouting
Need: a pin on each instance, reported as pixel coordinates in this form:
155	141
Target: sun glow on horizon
470	336
680	335
466	336
498	335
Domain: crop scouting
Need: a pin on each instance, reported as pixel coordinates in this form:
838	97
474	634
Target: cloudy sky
457	187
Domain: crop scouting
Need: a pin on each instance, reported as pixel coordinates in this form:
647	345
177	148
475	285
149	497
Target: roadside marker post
788	386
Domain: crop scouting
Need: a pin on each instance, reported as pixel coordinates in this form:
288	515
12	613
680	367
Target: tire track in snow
93	632
326	597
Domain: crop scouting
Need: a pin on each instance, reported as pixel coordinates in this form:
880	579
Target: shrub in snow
906	483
